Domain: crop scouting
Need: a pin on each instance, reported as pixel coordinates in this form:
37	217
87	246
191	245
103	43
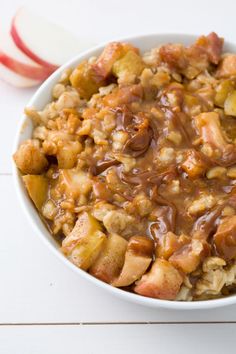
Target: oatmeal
132	166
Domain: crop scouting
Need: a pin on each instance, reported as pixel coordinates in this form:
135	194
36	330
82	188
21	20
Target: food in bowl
132	166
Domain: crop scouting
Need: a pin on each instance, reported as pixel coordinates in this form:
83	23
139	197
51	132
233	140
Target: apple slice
163	281
44	42
37	187
111	259
16	80
138	257
15	60
83	245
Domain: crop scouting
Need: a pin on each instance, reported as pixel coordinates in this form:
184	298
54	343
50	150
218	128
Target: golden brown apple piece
74	182
222	92
230	104
189	256
67	154
85	80
111	53
193	164
163	281
123	95
29	158
111	259
225	238
227	67
137	259
37	187
222	152
83	245
131	63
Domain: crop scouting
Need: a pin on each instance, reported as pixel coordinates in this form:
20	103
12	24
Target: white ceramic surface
43	96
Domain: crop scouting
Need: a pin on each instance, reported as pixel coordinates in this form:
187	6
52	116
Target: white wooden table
47	308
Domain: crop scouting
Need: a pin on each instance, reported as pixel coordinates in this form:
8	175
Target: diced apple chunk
230	104
83	245
37	187
225	238
87	250
227	67
111	259
29	158
111	53
123	95
84	79
67	154
189	256
137	259
131	63
163	281
210	129
222	92
86	224
193	164
170	243
74	183
215	141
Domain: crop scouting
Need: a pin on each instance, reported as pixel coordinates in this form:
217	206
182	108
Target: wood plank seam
12	324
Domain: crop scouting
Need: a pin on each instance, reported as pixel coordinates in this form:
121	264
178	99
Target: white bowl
43	96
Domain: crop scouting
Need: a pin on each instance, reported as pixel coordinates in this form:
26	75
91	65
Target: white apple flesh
46	43
16	80
17	61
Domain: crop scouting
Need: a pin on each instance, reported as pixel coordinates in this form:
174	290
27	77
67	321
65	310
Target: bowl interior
39	100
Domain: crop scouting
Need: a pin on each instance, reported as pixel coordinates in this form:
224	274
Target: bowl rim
122	294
